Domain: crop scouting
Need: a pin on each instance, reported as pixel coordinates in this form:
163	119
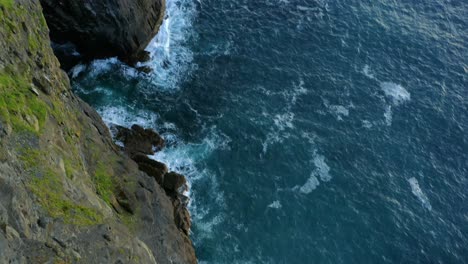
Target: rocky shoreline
68	193
138	143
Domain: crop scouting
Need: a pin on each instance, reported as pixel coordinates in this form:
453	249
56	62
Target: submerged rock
121	28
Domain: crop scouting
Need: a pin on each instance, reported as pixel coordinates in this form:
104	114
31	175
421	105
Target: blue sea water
311	131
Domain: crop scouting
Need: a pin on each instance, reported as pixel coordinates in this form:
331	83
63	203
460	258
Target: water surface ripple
310	131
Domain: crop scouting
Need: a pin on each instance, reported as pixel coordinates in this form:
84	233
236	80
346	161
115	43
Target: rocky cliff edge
67	193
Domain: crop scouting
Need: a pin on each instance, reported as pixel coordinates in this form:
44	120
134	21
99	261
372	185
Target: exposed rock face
138	143
153	168
67	193
174	181
138	140
106	28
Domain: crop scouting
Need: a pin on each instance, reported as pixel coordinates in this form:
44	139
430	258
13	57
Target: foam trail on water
416	190
283	122
311	184
126	117
388	115
321	171
396	92
339	111
77	70
367	72
321	168
275	205
184	158
103	67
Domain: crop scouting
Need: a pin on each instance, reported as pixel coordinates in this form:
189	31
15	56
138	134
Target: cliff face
107	28
67	193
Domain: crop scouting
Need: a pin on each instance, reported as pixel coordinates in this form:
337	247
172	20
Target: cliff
67	193
121	28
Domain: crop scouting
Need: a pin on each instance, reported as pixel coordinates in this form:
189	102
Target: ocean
310	131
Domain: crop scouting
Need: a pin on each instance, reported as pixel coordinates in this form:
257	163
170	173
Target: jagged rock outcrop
138	140
67	193
138	143
109	28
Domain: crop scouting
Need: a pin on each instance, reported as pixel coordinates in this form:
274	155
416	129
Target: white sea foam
339	111
171	57
310	185
275	205
180	157
101	90
388	115
184	158
298	90
207	226
103	66
277	134
75	71
321	171
126	117
171	60
367	72
416	190
284	121
98	67
367	124
396	92
321	168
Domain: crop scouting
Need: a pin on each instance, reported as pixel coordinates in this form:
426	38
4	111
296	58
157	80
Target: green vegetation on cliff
19	106
48	185
31	114
6	3
49	189
104	184
67	193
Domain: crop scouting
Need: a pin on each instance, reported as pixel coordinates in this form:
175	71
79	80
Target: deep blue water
310	131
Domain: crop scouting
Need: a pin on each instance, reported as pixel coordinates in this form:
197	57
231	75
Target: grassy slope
31	118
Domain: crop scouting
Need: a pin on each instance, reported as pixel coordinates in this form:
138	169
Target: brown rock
151	167
139	140
127	201
173	181
43	83
182	217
